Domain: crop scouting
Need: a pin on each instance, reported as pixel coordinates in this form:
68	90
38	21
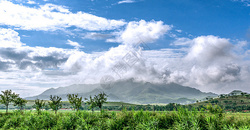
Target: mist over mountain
131	91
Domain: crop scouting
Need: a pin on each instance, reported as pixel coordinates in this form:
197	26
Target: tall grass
181	119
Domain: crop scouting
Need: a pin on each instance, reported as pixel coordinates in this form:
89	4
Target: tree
100	99
222	96
75	101
216	101
55	103
20	103
91	102
46	107
7	97
39	104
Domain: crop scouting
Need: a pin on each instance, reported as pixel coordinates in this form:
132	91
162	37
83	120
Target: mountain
132	92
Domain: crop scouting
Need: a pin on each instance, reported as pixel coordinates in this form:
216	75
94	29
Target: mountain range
131	91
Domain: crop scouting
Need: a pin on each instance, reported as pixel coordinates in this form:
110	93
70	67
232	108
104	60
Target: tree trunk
7	107
92	110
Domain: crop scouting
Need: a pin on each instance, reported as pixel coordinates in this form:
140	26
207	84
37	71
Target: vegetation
100	99
212	118
39	104
97	101
7	97
75	101
20	102
234	103
91	102
206	115
55	103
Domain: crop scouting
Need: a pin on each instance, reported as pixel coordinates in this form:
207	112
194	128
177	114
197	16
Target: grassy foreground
212	119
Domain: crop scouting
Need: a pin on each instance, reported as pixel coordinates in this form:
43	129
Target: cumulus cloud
209	49
193	65
215	74
15	53
52	17
136	32
36	67
9	38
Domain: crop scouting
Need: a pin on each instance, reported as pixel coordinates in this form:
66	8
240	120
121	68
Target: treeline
77	103
96	102
7	97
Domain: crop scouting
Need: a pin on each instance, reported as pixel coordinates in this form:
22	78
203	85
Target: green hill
234	101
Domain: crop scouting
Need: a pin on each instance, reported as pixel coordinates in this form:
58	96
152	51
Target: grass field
212	119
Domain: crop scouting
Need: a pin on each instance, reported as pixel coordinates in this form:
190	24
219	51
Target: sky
56	43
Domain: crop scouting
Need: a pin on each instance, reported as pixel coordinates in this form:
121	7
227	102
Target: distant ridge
132	92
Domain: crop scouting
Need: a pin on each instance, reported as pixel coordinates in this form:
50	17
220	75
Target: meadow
212	118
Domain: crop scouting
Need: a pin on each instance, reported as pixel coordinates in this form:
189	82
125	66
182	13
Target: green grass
211	119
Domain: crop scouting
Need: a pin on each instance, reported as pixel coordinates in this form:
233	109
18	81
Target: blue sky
53	43
220	18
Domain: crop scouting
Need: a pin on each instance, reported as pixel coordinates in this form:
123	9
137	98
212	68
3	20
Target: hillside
132	92
234	101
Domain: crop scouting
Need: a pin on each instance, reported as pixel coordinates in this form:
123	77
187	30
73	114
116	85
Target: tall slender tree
39	104
55	103
7	97
91	102
20	102
100	99
75	101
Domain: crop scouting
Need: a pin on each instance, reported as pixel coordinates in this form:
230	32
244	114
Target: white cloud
9	38
178	30
31	2
206	62
126	1
210	49
142	31
74	44
52	7
52	17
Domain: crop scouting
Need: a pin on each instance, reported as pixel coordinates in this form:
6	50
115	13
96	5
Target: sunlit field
210	119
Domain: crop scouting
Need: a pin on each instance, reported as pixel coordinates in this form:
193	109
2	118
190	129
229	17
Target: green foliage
20	102
91	102
100	99
39	104
182	119
75	101
7	97
55	103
